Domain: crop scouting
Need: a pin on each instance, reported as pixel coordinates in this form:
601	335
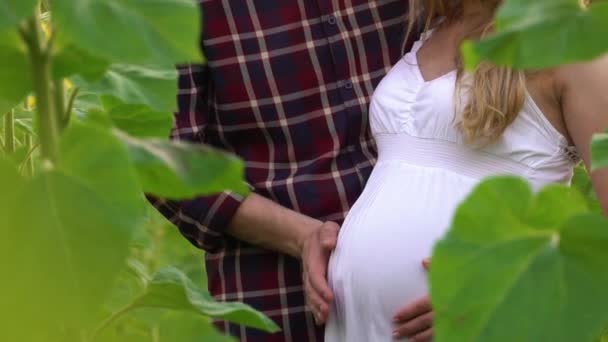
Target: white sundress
424	171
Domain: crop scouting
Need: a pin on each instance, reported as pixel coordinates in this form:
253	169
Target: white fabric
423	172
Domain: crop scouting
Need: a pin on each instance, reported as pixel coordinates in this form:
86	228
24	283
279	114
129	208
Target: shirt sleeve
201	220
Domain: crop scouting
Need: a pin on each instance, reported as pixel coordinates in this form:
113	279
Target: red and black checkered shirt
286	87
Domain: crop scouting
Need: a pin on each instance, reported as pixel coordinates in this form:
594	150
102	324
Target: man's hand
415	321
316	250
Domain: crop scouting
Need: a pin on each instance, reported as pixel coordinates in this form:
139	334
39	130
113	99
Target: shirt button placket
342	70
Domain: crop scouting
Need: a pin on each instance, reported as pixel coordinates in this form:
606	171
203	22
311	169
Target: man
286	87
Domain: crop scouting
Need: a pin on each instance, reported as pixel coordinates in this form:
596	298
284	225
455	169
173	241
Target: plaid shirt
286	87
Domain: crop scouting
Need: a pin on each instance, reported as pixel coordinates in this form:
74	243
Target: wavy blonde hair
496	95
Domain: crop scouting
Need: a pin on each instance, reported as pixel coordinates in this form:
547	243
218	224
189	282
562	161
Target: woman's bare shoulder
588	75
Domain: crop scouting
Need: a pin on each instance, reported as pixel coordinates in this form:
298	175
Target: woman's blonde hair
495	95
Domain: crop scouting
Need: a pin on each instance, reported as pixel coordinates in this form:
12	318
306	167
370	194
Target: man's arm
201	220
264	223
204	221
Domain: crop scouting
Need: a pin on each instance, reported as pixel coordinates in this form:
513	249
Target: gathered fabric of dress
424	171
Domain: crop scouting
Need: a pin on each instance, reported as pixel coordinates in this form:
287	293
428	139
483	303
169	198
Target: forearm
264	223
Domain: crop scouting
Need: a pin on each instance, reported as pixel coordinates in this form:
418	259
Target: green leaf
521	267
97	157
66	233
15	82
543	33
178	170
582	183
11	186
163	326
87	101
142	32
172	289
138	120
156	88
71	60
19	155
604	337
599	151
184	327
470	56
24	121
13	11
25	125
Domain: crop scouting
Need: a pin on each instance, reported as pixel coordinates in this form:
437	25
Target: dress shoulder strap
423	38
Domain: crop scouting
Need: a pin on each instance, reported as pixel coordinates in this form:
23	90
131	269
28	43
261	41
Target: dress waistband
442	154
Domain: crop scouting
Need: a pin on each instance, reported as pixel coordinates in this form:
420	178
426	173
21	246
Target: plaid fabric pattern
286	87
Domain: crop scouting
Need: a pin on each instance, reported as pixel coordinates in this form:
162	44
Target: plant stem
9	132
155	334
68	111
40	59
29	161
108	321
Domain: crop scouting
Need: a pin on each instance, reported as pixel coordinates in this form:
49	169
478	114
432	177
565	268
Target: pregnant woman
440	131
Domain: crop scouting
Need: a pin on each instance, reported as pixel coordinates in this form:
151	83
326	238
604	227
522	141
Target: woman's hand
415	321
316	250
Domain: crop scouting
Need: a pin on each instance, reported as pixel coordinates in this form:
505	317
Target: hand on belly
415	320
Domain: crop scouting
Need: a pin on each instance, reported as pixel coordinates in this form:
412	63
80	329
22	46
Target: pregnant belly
377	265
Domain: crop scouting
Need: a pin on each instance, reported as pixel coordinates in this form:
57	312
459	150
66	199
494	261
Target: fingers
425	336
317	276
419	326
418	308
329	235
318	306
426	263
315	261
316	267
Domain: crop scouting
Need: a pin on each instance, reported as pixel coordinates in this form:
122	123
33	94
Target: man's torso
289	83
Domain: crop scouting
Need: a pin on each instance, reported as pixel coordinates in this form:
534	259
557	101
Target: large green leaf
599	151
519	267
97	158
164	326
11	187
183	327
138	120
543	33
178	170
66	233
71	60
15	78
87	101
582	182
13	11
156	88
158	32
172	289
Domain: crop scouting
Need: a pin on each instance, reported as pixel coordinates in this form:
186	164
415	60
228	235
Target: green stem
155	334
108	321
29	161
40	59
68	112
9	132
